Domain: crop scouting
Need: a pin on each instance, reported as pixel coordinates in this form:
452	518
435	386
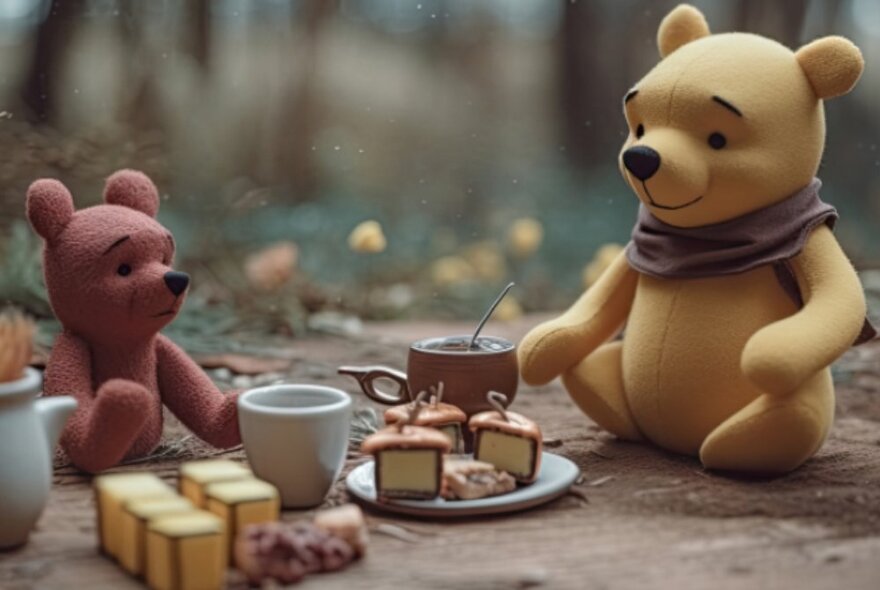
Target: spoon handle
488	314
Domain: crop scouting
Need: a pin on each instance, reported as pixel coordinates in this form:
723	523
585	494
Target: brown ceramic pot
467	374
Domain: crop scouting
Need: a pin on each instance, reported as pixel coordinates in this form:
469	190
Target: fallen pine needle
579	494
396	532
601	480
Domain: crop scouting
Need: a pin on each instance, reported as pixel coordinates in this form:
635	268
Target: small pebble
241	381
533	578
222	374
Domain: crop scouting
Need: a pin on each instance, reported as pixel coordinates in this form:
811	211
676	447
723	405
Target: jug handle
367	376
53	412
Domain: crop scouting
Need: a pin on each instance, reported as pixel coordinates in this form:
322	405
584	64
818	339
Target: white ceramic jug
29	430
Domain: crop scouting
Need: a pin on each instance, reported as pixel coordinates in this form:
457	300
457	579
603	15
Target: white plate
556	476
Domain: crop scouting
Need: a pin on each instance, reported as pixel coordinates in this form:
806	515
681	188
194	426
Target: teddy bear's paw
550	349
596	386
772	434
541	354
121	399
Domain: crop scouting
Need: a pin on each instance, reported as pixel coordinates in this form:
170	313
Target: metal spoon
488	314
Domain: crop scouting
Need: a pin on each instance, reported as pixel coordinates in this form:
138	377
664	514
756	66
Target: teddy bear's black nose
642	161
177	281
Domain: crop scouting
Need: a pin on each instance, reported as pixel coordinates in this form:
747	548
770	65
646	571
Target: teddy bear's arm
557	345
784	354
107	421
191	395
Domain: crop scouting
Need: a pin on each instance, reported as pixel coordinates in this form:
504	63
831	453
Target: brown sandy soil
638	518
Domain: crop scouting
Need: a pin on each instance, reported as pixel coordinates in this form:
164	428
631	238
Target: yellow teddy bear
735	295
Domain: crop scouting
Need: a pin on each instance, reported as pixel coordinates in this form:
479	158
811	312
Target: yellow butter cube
195	476
112	492
136	515
240	503
186	552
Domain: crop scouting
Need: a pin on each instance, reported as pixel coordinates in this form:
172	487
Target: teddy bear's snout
641	161
177	282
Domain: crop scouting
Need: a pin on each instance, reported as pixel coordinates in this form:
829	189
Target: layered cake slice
466	479
509	441
409	461
446	418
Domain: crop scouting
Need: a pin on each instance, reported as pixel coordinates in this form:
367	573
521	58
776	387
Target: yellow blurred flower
367	238
508	310
451	270
603	258
272	267
487	260
525	236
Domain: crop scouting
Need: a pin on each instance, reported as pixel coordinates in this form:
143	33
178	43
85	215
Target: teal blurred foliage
21	275
293	121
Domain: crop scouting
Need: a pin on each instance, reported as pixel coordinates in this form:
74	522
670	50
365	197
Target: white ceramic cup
296	438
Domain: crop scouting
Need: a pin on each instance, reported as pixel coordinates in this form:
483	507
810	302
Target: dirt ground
639	517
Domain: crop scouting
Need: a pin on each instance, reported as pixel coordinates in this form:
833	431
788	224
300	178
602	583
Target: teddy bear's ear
49	207
681	26
833	65
132	189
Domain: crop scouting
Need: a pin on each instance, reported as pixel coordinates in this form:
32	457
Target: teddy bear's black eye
640	131
124	270
717	141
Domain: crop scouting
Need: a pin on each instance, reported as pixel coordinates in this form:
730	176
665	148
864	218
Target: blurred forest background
481	135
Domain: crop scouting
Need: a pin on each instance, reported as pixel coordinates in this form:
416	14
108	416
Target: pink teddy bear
111	285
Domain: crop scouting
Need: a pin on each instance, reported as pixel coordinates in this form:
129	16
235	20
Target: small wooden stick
437	390
498	400
414	411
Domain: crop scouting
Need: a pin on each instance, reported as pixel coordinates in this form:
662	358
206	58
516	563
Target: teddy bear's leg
99	435
596	386
774	434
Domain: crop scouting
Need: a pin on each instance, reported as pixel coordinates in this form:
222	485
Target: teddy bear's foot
773	434
93	446
596	386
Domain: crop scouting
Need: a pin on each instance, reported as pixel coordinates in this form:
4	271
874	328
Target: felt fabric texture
105	269
728	367
683	25
772	148
773	235
833	65
766	236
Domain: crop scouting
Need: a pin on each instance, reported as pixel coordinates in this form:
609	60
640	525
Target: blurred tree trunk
140	97
53	36
197	42
782	20
597	69
831	16
291	134
580	80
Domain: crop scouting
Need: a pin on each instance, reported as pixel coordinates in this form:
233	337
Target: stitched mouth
170	311
667	207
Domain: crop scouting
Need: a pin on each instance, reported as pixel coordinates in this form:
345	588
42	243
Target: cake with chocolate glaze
408	461
446	418
509	441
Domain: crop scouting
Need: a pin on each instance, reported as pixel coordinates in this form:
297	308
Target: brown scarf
773	235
